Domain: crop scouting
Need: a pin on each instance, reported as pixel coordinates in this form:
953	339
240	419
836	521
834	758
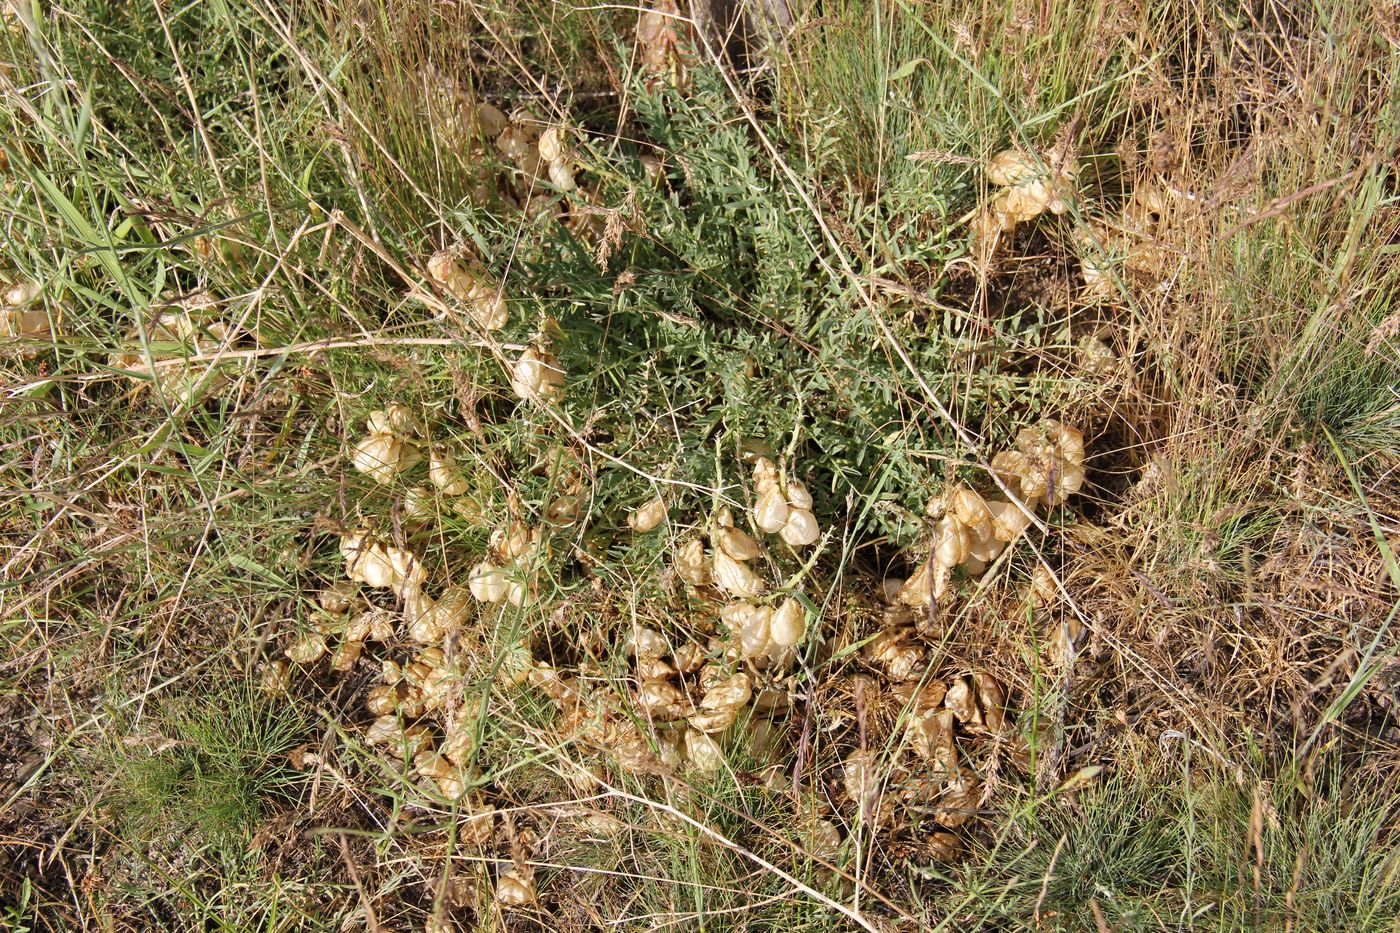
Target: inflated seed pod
276	676
703	752
382	457
537	376
662	700
770	513
963	702
691	564
960	799
487	582
515	889
307	648
339	596
383	730
950	541
1008	520
714	720
900	658
647	517
735	577
789	623
445	474
689	658
734	692
396	419
971	509
384	699
765	475
797	495
737	544
800	529
992	700
373	624
347	653
860	776
648	643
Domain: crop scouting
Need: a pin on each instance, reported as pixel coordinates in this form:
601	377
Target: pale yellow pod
487	582
789	623
647	517
703	752
801	528
308	648
797	495
444	473
770	513
735	578
734	692
950	542
739	545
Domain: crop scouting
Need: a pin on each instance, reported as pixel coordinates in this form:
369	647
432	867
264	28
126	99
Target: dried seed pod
703	752
689	658
660	42
1043	588
379	565
734	692
950	542
662	700
714	720
445	474
770	513
384	699
346	654
654	669
944	848
930	735
826	841
959	801
797	495
752	624
373	624
561	176
690	563
307	648
901	659
395	419
860	777
515	889
382	457
537	376
648	643
737	544
801	528
789	624
992	699
477	825
648	516
515	541
276	676
765	476
339	596
430	764
928	583
383	730
443	617
963	703
971	509
735	578
552	145
1009	521
487	582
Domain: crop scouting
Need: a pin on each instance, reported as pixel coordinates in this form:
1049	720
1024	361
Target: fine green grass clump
770	260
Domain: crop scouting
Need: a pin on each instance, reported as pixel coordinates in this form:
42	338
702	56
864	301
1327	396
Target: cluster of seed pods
970	530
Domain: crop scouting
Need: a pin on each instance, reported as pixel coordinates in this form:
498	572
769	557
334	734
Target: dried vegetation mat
851	465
